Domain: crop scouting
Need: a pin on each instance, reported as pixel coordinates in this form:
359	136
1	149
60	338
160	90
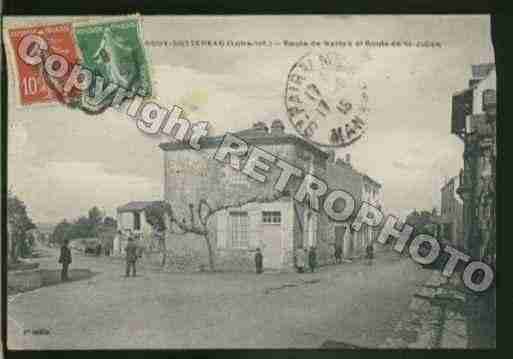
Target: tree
19	224
27	244
422	222
82	228
155	215
106	232
95	219
62	231
110	222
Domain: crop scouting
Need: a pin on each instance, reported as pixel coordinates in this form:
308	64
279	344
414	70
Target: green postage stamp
115	51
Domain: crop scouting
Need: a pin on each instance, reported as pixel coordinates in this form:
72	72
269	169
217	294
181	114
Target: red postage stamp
30	85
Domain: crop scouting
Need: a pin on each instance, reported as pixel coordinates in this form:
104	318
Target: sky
62	162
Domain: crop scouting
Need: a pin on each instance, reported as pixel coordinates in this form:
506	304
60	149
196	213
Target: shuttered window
239	223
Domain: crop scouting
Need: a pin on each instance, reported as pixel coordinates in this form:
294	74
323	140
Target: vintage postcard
186	182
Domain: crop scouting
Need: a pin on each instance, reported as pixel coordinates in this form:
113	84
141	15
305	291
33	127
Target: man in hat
312	259
369	253
131	256
300	260
338	253
65	260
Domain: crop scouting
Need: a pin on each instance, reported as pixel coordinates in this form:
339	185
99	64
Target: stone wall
186	252
236	260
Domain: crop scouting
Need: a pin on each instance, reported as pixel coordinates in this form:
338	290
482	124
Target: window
137	221
239	229
271	217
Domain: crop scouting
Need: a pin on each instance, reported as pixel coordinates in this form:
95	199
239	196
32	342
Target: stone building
474	120
371	193
341	174
251	215
451	214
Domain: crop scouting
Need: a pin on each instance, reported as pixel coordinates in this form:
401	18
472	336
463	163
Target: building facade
451	214
363	188
474	119
278	225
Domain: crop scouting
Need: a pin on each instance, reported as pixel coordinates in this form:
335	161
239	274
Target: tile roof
252	137
136	206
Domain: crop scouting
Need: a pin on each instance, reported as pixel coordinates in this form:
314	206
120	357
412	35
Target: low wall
193	260
23	280
235	260
22	266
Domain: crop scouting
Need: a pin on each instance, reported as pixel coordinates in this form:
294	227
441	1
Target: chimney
340	162
260	128
277	127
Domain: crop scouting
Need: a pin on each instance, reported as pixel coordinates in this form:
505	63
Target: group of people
133	253
369	253
305	259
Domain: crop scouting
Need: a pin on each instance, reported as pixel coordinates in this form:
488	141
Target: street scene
295	190
162	310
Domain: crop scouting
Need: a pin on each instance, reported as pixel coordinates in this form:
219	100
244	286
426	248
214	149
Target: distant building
131	217
372	192
341	174
278	227
451	214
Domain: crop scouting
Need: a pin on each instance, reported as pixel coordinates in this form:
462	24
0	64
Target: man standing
300	260
312	259
65	260
338	253
259	259
131	256
369	253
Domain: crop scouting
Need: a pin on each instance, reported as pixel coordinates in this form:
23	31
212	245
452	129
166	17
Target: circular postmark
326	101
